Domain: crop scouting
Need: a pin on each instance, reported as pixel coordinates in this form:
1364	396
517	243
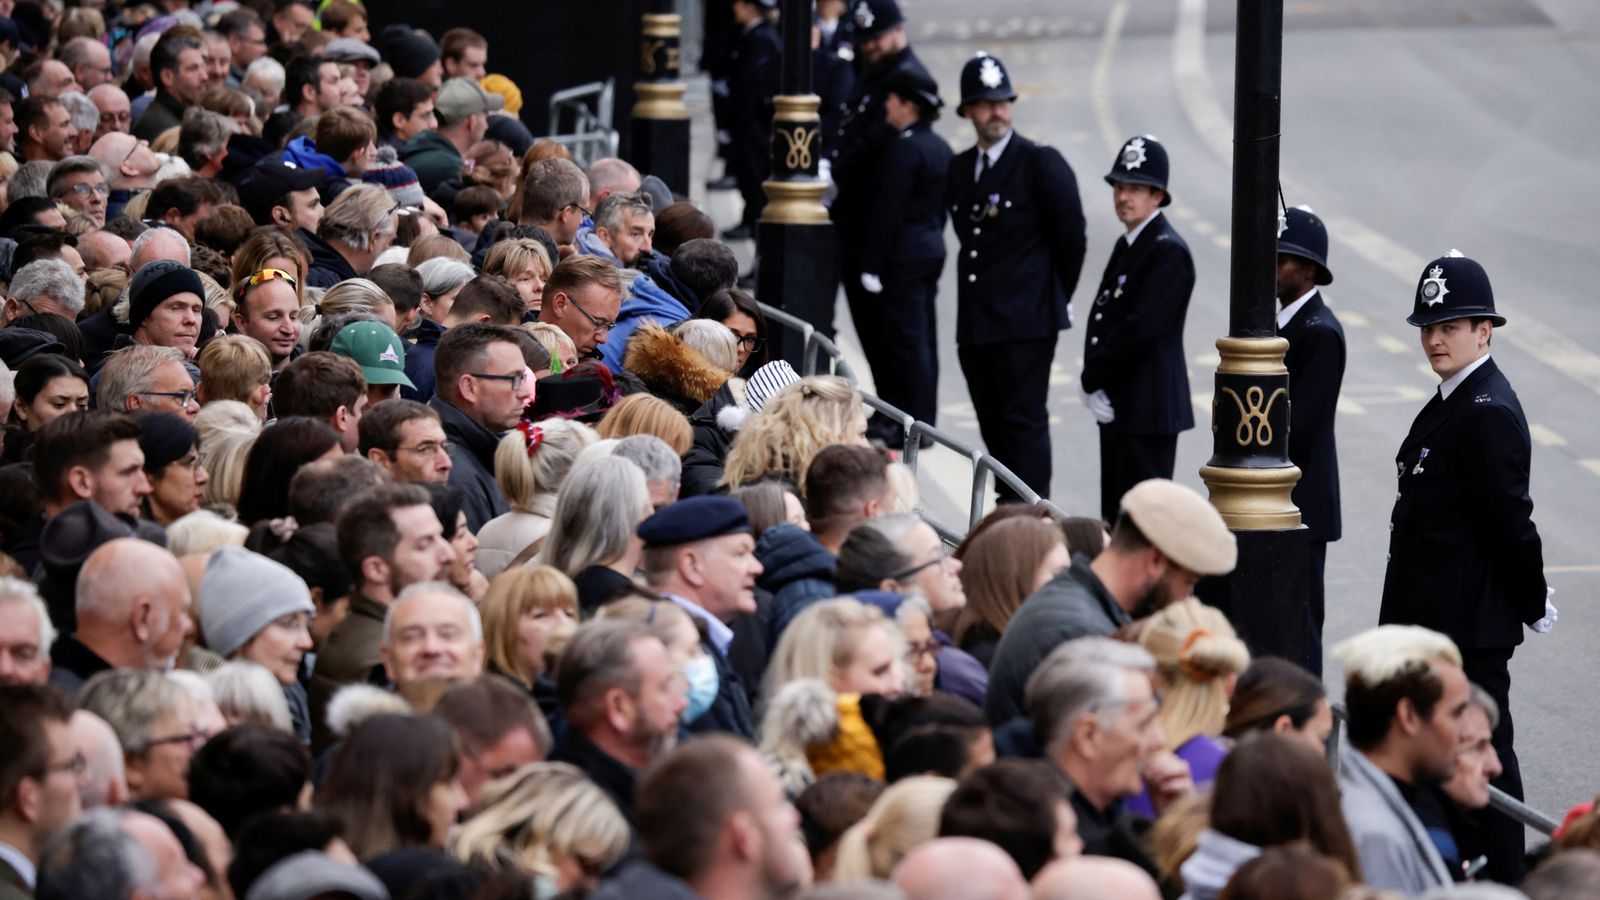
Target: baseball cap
376	349
269	180
462	97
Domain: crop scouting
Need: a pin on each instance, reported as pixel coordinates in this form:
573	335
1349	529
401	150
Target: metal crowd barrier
1499	800
590	108
816	346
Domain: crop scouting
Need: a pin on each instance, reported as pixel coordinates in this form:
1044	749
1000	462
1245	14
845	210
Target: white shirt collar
716	630
1286	315
24	866
1134	234
993	153
1448	386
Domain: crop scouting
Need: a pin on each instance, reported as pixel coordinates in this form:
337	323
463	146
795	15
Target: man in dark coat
864	135
753	81
1465	558
1316	369
1135	378
481	391
1015	207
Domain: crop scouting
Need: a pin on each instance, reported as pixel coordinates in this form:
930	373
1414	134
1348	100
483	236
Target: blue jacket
589	244
797	570
419	361
646	301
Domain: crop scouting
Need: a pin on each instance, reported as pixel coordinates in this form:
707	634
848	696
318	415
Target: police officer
755	63
1464	556
904	255
881	49
1316	371
1135	382
1015	207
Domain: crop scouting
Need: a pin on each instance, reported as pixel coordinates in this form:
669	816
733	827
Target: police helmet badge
1433	289
1133	154
864	16
989	73
1283	223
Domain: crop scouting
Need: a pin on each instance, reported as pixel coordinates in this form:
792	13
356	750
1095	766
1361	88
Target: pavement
1411	128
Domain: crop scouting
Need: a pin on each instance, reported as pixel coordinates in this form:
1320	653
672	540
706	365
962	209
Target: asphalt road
1412	128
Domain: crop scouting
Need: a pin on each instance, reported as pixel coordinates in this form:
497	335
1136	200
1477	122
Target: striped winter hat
768	380
399	179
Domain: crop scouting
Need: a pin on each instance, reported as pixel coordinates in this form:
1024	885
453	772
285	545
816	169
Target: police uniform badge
1133	154
1433	289
989	73
864	16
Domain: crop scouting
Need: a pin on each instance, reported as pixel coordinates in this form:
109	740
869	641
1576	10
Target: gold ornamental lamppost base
1252	381
659	129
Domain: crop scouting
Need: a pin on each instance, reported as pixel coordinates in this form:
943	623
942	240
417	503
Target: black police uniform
864	135
1465	558
754	67
1021	229
1133	339
1315	361
905	251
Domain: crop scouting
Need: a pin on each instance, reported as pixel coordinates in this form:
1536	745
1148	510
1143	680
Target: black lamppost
1249	475
660	120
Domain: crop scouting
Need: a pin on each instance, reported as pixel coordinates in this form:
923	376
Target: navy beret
694	519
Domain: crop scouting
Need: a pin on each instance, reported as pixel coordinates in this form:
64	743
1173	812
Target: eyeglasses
928	648
184	398
429	448
194	739
262	277
600	325
938	560
749	342
85	190
134	149
191	462
580	208
514	379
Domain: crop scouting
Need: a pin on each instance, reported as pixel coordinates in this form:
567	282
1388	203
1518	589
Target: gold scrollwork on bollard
799	140
647	56
1253	424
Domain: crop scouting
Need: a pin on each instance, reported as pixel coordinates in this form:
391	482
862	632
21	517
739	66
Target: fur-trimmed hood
671	369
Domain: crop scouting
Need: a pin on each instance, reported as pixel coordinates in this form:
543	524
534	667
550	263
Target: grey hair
652	455
81	110
48	278
913	604
269	70
29	180
1081	677
131	370
154	235
358	214
72	165
441	275
23	593
710	339
203	531
93	857
247	692
474	620
596	514
203	134
608	214
131	700
8	386
1477	696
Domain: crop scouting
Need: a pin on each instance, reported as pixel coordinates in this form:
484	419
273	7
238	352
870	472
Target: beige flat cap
1183	525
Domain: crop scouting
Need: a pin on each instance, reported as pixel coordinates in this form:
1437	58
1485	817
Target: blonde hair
511	595
553	340
905	816
522	478
268	243
1195	651
822	640
508	258
662	617
8	164
648	414
217	297
711	340
203	531
436	246
793	426
233	367
223	460
348	296
102	288
539	816
903	487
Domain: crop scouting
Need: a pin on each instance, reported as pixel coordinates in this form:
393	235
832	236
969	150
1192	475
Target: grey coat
1395	850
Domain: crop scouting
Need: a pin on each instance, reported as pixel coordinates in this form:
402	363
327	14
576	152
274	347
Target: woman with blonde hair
563	352
849	645
793	426
1198	660
1001	567
523	262
528	614
648	414
491	164
223	458
353	295
547	819
905	816
530	465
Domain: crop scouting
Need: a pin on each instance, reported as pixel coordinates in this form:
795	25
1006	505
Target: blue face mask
703	682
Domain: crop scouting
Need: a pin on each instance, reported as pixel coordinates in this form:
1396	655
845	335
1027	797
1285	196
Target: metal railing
985	469
1499	800
590	108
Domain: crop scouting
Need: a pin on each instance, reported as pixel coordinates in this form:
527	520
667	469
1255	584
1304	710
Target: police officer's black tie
983	165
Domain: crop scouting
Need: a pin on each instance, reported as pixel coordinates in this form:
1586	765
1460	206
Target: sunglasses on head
261	277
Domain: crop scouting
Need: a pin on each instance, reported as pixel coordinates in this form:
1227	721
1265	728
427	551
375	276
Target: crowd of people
391	507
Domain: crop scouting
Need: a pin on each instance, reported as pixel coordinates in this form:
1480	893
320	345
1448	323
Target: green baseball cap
376	349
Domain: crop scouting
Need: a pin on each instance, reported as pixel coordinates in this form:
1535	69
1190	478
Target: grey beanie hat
241	593
312	873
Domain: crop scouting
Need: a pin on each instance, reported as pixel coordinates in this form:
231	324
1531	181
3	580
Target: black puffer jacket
715	423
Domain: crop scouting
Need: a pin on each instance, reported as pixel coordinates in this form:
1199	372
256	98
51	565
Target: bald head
105	782
130	161
1094	878
960	868
132	604
103	250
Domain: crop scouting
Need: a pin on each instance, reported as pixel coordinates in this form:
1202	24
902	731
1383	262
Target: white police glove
872	283
1099	405
1544	625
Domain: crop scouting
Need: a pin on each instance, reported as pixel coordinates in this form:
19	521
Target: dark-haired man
177	62
39	772
405	439
483	385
